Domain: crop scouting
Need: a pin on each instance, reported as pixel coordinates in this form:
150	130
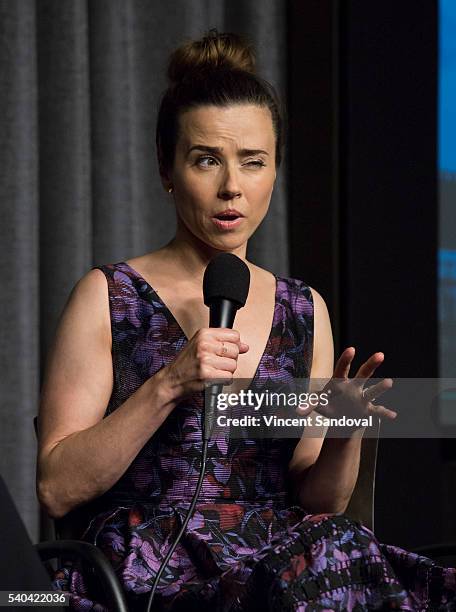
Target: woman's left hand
348	396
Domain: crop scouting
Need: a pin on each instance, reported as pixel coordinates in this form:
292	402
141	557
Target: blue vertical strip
447	87
446	152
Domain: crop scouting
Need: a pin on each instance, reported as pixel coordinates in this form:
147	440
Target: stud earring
170	190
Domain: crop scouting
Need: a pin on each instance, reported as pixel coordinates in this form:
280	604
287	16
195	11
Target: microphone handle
221	314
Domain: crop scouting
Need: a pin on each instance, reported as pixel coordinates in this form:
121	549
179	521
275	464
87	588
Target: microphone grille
226	276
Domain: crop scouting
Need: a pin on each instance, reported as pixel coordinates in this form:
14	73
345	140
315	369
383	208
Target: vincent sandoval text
307	421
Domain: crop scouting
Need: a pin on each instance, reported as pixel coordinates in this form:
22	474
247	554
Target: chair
66	530
361	506
443	554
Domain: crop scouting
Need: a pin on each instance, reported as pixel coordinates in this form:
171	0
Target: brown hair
217	70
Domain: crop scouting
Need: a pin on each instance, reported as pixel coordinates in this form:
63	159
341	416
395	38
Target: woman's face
224	173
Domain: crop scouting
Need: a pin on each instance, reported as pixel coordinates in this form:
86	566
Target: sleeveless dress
248	546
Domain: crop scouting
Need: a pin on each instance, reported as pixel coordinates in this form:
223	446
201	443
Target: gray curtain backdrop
80	82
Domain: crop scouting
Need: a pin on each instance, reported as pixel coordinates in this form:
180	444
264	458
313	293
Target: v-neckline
184	335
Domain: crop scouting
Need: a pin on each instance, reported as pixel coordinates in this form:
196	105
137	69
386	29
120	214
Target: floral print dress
248	546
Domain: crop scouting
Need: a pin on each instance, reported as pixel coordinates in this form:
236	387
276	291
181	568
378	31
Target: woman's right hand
212	353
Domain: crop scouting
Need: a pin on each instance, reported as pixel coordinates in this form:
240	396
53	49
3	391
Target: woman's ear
165	178
165	181
167	185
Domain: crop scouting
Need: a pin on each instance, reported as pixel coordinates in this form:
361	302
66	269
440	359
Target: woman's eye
257	163
206	158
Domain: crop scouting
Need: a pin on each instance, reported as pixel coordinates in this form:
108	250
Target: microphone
225	287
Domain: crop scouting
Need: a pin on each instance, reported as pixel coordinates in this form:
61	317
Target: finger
243	347
225	364
368	368
303	411
225	334
342	368
382	411
226	349
374	391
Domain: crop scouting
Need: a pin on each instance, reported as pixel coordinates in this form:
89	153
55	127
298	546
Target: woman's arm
323	469
80	453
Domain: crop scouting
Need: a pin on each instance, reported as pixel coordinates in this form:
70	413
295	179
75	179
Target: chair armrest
445	549
95	557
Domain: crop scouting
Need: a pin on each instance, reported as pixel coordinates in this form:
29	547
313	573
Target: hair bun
215	50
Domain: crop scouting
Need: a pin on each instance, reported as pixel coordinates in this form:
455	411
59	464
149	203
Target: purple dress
248	546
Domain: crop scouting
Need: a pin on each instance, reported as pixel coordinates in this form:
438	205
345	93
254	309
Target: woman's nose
230	187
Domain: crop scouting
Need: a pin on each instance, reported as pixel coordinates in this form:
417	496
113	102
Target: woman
268	531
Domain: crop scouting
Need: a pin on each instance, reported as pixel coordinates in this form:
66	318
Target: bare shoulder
142	262
78	376
90	286
321	314
323	349
90	296
318	300
154	265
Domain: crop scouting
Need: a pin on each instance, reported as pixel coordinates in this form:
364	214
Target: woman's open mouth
229	219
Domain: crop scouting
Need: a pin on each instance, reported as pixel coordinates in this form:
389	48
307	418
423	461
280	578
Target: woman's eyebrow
220	149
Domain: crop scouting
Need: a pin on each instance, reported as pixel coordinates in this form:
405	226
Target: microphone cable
206	436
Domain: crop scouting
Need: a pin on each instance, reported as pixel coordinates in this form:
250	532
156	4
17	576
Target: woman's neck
192	255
